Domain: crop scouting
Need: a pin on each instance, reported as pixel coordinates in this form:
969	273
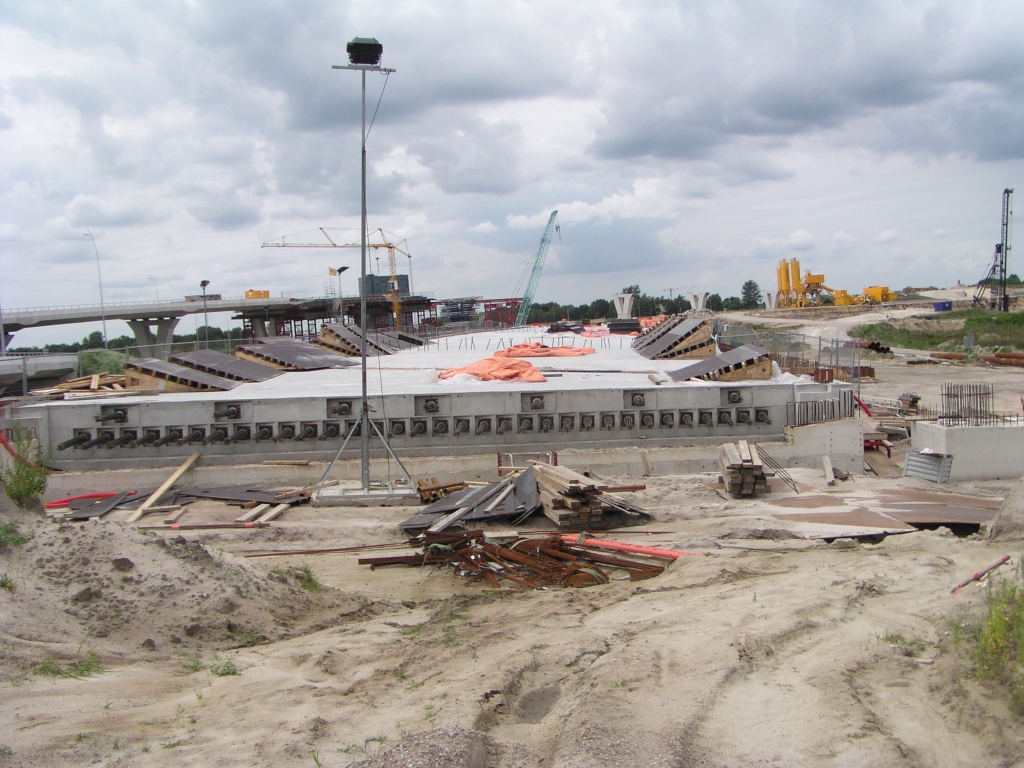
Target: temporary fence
824	359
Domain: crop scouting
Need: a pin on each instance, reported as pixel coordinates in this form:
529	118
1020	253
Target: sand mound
1008	524
114	589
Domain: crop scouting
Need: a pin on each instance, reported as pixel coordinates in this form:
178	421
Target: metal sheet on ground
859	517
926	514
882	464
808	502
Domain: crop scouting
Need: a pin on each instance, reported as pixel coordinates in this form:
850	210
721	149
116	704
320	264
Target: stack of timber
575	501
742	470
677	337
84	386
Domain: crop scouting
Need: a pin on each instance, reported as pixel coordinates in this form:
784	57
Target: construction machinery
796	291
992	290
534	269
385	240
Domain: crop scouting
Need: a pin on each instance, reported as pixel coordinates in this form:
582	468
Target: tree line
95	341
644	305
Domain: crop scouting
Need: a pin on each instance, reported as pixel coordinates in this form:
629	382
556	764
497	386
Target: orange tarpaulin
494	369
535	349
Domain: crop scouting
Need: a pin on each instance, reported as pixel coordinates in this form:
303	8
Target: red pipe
64	502
621	546
863	407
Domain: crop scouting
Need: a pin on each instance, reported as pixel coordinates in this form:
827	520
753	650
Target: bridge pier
154	345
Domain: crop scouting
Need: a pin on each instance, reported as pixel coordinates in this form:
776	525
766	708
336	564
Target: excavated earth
770	650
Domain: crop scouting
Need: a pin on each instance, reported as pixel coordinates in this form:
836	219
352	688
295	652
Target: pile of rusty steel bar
536	563
742	470
572	500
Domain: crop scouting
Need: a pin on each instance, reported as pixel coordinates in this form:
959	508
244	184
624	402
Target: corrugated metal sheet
740	356
180	374
228	366
930	466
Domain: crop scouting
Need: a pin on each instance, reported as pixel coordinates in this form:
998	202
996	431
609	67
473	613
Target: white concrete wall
979	453
804	447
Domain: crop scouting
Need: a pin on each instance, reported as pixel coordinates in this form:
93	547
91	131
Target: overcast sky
686	145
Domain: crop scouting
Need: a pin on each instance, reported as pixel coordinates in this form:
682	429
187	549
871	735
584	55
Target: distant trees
750	295
602	309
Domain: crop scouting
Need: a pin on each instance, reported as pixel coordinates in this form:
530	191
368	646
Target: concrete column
698	301
144	338
259	328
771	300
165	335
623	303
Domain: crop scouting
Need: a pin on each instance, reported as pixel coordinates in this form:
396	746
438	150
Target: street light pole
364	56
206	317
99	277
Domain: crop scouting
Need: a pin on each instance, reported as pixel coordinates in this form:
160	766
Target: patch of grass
245	637
171	744
1000	639
907	647
621	682
82	667
193	662
415	629
225	668
23	482
6	582
5	750
989	330
308	580
144	748
10	537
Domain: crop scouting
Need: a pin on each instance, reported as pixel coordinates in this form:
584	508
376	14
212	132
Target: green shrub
9	536
101	361
23	480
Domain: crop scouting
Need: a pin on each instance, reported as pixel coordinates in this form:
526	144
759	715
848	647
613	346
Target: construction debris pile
84	386
535	563
742	470
569	499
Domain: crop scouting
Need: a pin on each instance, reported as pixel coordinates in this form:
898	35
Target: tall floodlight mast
536	266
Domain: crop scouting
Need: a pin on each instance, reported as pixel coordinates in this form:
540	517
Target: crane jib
537	265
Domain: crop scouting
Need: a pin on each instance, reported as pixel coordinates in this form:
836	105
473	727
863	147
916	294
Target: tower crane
535	268
995	281
385	240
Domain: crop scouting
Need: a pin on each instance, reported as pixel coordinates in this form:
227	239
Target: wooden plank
755	457
253	513
830	475
732	455
94	382
152	500
275	512
175	516
745	452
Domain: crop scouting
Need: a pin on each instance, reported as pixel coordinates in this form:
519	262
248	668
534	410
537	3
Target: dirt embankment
132	594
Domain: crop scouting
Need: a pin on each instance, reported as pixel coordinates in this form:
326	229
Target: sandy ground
773	648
